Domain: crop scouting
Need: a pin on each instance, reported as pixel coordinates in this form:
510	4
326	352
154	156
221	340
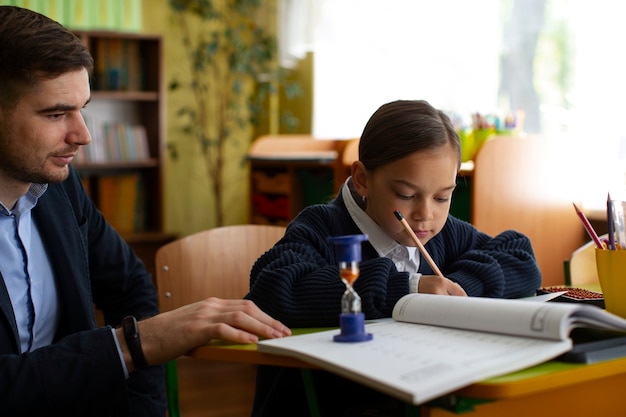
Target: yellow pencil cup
468	149
480	137
611	265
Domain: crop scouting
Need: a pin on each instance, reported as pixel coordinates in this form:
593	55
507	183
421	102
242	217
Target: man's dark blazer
81	372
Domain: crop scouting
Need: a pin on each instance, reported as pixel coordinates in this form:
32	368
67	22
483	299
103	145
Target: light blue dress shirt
28	276
27	273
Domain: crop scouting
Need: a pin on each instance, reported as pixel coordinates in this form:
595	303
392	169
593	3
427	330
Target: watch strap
131	336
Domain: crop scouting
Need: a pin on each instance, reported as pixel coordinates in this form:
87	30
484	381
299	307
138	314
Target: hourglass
351	319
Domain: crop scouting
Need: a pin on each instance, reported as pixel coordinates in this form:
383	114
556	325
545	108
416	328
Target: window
561	61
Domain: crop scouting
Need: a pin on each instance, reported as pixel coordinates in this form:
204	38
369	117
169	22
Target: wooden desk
223	351
551	389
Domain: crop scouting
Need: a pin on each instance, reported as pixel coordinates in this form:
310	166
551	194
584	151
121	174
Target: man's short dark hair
33	46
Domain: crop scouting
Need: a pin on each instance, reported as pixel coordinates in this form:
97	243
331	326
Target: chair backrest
528	184
214	262
582	264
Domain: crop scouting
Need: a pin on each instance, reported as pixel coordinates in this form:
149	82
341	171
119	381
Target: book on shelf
114	141
118	64
434	344
121	201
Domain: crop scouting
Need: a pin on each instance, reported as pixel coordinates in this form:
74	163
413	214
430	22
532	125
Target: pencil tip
398	214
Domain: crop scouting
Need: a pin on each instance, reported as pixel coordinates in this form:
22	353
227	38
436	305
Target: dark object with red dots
574	295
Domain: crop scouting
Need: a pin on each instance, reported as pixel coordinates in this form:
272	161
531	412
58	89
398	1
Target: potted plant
230	48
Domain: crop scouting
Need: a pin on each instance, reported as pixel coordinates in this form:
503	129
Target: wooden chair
214	262
528	184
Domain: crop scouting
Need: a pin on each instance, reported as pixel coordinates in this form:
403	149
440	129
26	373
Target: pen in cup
619	220
611	225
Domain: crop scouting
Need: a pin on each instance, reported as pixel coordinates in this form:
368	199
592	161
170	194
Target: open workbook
436	344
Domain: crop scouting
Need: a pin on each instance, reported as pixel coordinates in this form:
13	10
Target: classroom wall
88	14
188	200
187	194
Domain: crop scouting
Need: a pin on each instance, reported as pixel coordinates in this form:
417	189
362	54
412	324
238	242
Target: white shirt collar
384	245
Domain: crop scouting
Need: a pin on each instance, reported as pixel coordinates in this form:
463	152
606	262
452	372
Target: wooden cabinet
122	168
290	172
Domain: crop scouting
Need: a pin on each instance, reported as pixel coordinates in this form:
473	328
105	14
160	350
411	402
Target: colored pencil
592	233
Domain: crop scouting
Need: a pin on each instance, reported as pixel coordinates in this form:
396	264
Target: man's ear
359	178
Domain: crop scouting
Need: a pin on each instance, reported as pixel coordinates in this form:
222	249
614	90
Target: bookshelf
122	168
290	172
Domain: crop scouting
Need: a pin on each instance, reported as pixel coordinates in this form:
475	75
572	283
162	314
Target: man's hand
173	333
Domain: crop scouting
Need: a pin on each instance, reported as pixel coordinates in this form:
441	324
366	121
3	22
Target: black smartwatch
131	335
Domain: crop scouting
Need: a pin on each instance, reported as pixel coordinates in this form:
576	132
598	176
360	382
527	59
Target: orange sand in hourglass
349	275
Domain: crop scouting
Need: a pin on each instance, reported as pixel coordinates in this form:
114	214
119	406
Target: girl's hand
434	284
